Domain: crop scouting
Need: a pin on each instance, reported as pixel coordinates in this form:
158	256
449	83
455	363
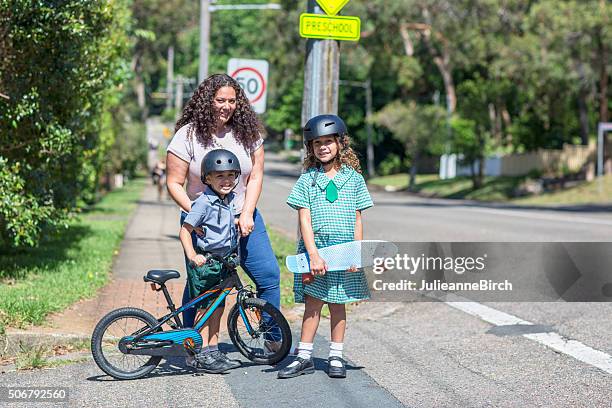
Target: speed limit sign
252	75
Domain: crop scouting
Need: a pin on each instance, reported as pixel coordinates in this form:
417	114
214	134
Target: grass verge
68	266
501	189
598	191
493	188
282	247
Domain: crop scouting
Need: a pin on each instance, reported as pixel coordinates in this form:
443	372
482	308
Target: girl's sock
304	351
213	348
335	350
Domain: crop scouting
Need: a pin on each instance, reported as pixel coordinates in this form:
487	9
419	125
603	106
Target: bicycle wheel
252	346
105	344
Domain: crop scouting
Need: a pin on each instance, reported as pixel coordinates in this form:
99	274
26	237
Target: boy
213	212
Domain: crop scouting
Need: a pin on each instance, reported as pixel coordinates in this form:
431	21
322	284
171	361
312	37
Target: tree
420	128
61	67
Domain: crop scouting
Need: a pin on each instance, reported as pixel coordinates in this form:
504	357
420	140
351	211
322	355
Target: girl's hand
318	267
307	278
198	260
246	224
199	231
353	268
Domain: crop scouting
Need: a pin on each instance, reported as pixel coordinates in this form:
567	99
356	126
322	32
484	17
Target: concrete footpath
151	242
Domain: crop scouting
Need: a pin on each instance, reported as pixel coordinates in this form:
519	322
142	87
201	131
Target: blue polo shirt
216	217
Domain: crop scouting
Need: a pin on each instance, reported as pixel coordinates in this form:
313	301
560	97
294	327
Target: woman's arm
253	191
177	170
317	264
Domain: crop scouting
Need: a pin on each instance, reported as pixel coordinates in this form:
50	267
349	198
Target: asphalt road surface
422	354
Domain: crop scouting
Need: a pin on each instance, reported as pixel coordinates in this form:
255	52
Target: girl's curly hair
346	155
199	111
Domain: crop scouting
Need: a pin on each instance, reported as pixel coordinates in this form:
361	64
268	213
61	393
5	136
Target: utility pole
204	39
320	75
180	82
205	12
178	103
367	86
169	77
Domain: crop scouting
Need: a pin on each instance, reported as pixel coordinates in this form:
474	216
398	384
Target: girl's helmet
219	160
323	125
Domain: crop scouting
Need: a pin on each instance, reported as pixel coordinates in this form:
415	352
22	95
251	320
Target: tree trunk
603	68
413	171
603	81
139	87
584	117
441	59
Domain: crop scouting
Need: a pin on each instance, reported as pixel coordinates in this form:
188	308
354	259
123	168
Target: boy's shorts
203	278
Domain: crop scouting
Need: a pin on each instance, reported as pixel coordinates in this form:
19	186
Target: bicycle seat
160	276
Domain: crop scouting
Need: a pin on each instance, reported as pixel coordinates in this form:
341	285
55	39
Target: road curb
15	340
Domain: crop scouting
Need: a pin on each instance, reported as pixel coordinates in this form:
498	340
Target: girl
329	197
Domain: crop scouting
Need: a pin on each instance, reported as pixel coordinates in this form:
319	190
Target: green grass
282	247
67	266
400	181
593	192
493	188
500	189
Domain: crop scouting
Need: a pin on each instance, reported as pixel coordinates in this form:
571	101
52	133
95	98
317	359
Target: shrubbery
61	68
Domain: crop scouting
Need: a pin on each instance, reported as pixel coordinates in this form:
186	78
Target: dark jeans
258	261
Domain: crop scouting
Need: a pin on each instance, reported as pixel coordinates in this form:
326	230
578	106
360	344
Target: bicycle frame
151	341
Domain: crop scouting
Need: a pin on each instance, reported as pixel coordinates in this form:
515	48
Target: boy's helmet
219	160
323	125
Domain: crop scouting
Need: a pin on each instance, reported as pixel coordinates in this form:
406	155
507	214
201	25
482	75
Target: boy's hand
318	267
198	260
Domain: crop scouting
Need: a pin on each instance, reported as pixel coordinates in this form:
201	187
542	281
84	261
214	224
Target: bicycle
128	343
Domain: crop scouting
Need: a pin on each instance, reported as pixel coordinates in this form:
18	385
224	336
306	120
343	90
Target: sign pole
321	75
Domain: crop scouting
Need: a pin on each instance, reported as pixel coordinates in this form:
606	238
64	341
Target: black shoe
217	354
304	367
207	363
336	372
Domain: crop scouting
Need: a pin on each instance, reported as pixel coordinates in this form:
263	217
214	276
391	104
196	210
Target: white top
193	153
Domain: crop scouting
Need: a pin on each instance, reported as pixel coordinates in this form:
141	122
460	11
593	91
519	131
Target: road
421	354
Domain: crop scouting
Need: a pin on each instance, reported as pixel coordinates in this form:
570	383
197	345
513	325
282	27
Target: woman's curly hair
346	155
199	111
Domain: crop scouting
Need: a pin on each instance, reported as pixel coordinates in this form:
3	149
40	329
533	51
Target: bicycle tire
100	356
242	343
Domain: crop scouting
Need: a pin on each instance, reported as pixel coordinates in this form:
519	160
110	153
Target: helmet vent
218	161
329	124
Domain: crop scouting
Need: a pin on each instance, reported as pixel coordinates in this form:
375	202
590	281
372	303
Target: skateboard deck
359	254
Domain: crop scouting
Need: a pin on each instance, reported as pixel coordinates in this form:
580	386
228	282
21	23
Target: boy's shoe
224	358
336	372
209	364
304	367
190	361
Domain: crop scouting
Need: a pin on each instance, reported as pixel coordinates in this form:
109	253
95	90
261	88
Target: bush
391	164
60	69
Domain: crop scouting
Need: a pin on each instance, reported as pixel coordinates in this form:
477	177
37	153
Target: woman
219	115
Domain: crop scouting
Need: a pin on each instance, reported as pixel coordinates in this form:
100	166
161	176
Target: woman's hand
318	267
198	260
246	224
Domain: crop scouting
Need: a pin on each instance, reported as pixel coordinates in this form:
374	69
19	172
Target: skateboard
359	254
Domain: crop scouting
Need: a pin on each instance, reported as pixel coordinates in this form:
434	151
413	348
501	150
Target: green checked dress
333	213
